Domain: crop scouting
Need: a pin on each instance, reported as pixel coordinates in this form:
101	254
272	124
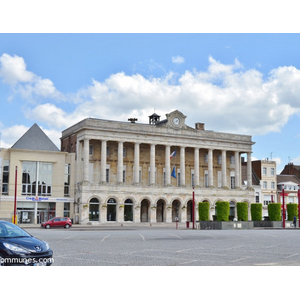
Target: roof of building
286	178
35	139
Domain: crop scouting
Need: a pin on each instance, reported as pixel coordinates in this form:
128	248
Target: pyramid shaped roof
35	139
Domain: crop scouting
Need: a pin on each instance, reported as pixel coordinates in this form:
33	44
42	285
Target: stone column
249	170
86	160
152	164
196	167
224	175
182	166
210	168
237	169
136	177
120	163
103	161
168	165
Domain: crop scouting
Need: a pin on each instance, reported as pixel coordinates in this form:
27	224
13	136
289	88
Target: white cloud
178	59
9	136
13	72
225	97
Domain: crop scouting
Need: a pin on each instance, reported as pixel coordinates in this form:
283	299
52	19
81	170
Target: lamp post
299	204
193	212
283	210
15	204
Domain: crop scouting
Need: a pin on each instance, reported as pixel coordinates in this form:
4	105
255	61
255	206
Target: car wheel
67	226
47	226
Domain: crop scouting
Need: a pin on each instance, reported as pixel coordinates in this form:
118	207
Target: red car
58	222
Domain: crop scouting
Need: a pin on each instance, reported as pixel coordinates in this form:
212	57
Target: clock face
176	121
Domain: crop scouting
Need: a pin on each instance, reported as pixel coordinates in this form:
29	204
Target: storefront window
37	178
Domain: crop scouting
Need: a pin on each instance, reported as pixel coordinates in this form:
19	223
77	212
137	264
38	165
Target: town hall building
133	172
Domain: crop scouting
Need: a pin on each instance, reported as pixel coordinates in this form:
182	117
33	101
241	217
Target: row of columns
167	165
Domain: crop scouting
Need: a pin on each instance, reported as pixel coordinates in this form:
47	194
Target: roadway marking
243	258
104	238
142	237
177	236
292	255
178	251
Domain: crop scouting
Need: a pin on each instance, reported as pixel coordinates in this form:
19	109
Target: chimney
132	120
199	126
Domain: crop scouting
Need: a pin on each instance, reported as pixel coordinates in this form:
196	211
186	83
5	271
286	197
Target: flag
173	172
173	154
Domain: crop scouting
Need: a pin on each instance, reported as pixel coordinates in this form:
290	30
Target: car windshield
9	230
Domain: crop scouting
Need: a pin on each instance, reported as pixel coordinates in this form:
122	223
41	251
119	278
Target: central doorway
145	205
160	210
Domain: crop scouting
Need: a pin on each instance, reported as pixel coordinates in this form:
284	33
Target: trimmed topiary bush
292	210
274	211
242	211
256	211
222	208
203	209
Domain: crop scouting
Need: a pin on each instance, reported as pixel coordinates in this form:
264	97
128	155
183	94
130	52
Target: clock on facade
176	121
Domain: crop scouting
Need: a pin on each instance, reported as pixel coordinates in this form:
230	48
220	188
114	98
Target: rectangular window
232	160
67	180
192	178
264	185
124	152
206	158
272	185
267	200
232	180
264	171
107	175
5	177
91	150
164	176
272	171
66	209
178	177
36	178
219	159
124	176
257	197
206	178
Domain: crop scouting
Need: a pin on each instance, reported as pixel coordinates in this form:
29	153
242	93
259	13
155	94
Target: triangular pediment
35	139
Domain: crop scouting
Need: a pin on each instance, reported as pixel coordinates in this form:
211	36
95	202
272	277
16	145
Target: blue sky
247	83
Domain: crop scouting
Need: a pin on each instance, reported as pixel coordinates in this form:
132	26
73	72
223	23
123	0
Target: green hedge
242	211
292	210
256	211
222	208
274	211
203	209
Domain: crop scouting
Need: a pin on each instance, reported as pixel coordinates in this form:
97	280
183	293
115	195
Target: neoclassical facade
132	172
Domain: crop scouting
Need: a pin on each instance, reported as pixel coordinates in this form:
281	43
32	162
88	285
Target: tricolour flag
173	154
173	172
